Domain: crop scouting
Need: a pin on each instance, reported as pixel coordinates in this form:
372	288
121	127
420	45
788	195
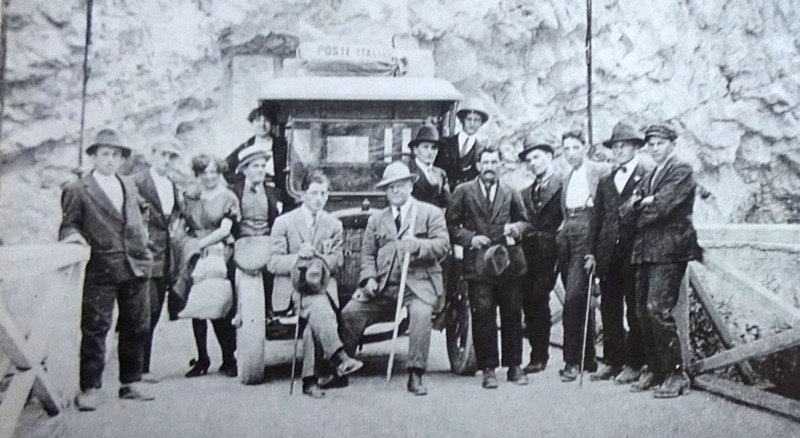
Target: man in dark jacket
431	185
487	219
103	210
460	152
612	241
542	201
665	242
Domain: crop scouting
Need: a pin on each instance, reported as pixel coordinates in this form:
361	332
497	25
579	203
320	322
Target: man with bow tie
542	200
459	153
612	241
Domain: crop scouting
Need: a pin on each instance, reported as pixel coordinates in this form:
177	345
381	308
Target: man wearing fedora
163	206
406	226
431	185
664	243
612	241
486	218
299	236
542	200
574	257
459	153
104	211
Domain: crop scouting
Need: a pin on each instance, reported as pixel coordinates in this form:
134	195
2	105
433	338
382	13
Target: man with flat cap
459	153
612	240
161	197
406	226
664	243
487	218
542	200
104	211
431	185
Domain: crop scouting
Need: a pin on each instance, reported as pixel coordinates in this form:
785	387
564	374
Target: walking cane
586	325
294	355
400	296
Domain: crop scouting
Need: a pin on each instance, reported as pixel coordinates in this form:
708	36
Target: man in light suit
487	218
302	234
163	206
104	211
623	352
665	242
406	226
574	246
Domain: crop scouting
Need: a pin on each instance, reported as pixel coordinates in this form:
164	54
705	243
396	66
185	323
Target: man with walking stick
405	227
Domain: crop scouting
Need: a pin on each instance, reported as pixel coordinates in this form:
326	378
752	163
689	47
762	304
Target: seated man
406	226
305	233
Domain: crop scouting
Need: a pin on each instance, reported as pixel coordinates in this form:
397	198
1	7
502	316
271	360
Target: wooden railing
47	280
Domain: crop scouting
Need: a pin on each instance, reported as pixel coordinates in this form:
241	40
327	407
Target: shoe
348	366
150	378
199	367
313	390
569	373
229	368
647	381
489	379
128	392
516	375
415	385
534	367
608	372
88	400
591	366
628	375
333	381
675	385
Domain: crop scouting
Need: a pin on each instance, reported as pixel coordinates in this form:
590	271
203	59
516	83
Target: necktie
254	188
623	169
464	146
397	221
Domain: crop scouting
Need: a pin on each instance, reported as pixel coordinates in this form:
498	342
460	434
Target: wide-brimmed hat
310	276
108	137
167	146
426	134
394	172
248	155
624	132
662	131
492	261
473	105
531	143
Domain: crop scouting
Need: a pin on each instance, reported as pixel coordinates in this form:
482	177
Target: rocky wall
725	72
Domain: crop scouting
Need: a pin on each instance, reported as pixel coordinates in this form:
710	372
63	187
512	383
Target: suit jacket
118	240
545	217
379	255
158	224
280	153
436	194
273	197
289	234
664	230
612	238
458	169
471	214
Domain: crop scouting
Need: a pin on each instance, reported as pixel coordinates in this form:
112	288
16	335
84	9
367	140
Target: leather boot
628	375
608	372
489	379
569	373
415	385
534	367
516	375
647	381
312	389
676	384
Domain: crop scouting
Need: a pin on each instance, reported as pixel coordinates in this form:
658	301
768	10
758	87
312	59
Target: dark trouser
133	301
226	336
538	284
572	250
657	292
158	291
484	299
619	290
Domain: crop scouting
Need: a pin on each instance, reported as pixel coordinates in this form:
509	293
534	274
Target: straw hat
250	154
394	172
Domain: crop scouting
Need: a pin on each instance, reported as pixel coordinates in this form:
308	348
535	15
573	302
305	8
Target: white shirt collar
105	179
630	165
463	136
404	209
425	167
308	214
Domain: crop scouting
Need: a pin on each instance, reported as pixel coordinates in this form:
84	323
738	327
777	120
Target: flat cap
662	131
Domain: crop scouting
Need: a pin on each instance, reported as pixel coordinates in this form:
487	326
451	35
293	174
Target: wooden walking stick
586	324
294	354
400	296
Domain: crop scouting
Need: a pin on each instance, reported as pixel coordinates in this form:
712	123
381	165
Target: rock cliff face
726	73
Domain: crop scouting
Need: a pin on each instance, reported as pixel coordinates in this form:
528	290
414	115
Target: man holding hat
612	241
664	243
487	218
104	211
542	200
431	185
574	252
163	205
458	155
406	226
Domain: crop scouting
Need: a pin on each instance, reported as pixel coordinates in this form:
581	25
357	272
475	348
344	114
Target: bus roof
360	88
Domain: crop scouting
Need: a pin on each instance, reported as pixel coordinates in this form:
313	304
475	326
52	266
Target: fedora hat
492	261
248	155
310	276
532	143
473	105
108	137
426	134
662	131
167	146
394	172
624	132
